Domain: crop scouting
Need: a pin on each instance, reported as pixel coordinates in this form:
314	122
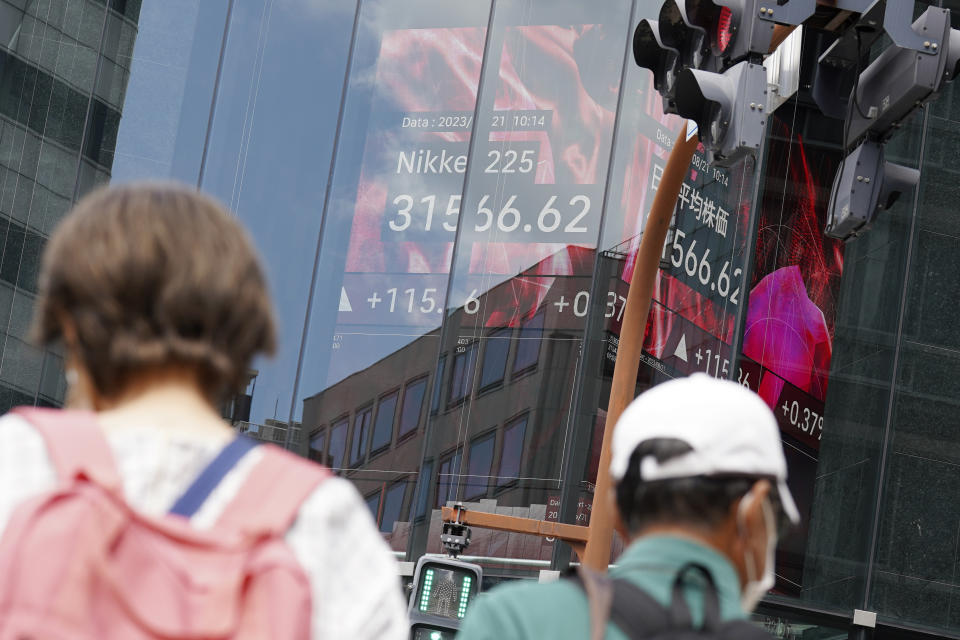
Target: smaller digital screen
446	592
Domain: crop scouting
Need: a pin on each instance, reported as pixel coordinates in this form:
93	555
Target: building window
338	443
383	427
318	445
511	453
412	405
373	503
438	384
423	488
361	433
461	375
495	358
392	506
447	472
479	467
528	345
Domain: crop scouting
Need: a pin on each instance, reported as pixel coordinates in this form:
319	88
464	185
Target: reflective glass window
338	443
461	375
528	345
479	466
318	445
373	504
412	406
392	506
424	487
495	358
361	433
383	427
511	453
447	474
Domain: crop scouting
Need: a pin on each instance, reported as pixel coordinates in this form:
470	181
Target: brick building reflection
498	404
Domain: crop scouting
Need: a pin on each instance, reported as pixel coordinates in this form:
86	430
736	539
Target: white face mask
758	586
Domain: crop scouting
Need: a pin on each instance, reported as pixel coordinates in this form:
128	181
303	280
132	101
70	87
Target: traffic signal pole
646	267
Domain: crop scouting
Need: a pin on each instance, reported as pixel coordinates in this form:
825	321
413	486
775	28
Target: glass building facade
449	196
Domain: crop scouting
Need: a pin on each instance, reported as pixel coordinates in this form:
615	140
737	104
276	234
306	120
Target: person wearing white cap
701	496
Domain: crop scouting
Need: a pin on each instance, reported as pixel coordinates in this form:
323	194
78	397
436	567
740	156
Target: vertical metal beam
323	222
579	448
216	93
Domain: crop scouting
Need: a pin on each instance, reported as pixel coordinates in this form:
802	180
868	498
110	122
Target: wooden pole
600	537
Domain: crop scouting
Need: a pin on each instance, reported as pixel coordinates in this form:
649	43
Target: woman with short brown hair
160	302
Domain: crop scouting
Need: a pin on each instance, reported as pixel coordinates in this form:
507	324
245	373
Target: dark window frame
366	501
402	485
527	369
401	434
482	438
326	443
504	482
362	458
440	498
374	452
469	356
344	421
498	383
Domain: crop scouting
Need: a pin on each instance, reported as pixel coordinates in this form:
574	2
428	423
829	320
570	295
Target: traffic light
693	40
743	29
651	53
442	591
865	184
678	32
730	109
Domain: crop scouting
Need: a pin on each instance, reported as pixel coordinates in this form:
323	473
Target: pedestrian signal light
443	589
865	184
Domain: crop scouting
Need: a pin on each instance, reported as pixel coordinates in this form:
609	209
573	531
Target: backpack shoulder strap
599	590
201	488
272	493
679	610
75	443
623	603
636	613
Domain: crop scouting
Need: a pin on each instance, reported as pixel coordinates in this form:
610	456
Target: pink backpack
79	564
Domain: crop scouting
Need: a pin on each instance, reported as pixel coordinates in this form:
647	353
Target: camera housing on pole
865	185
902	79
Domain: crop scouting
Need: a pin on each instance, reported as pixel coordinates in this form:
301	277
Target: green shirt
558	610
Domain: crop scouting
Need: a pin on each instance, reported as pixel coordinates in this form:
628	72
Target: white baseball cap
730	430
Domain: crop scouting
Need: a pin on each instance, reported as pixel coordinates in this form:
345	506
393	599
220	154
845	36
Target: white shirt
353	576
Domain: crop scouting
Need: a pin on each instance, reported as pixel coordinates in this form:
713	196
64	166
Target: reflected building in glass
449	196
64	67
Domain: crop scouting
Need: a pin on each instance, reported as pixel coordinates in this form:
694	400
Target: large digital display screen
791	297
408	199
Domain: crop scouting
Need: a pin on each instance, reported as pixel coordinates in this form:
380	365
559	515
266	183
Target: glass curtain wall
449	196
64	68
